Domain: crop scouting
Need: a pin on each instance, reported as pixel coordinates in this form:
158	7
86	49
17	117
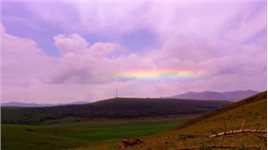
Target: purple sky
61	51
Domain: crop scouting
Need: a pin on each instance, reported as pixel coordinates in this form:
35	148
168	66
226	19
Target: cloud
83	63
23	61
70	43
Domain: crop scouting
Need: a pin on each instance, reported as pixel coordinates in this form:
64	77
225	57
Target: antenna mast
116	93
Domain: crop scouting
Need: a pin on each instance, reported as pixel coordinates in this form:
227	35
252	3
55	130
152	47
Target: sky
61	51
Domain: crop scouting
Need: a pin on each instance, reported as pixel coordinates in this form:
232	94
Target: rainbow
157	74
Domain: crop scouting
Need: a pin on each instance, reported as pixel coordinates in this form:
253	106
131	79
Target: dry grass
248	114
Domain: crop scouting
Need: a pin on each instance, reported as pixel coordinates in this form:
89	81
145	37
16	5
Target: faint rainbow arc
158	74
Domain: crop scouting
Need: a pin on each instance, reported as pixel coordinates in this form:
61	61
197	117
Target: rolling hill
112	109
241	125
212	95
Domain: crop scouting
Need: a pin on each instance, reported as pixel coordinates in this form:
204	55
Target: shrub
205	147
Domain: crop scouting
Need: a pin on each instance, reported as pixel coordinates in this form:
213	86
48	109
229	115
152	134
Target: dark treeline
110	109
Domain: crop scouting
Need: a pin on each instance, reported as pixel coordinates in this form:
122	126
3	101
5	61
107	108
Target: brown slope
257	97
246	115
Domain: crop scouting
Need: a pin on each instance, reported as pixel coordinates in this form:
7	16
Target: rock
130	142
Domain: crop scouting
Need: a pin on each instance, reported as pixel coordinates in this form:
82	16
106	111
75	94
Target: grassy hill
117	108
248	114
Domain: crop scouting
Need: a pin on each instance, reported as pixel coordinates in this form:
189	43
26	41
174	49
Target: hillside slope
111	109
241	120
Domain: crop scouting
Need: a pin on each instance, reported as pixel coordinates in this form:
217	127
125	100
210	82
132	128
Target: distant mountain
212	95
21	104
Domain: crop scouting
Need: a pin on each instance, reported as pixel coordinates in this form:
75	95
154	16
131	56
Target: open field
81	134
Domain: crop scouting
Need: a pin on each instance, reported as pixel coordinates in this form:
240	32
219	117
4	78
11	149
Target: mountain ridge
215	95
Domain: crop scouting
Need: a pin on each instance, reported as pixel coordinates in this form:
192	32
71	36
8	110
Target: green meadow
79	134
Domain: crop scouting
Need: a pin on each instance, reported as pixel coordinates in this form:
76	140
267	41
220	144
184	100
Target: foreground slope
246	115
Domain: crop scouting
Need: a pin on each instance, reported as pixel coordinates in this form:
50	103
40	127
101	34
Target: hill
112	109
212	95
241	125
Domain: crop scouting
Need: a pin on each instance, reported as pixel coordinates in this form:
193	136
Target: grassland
69	135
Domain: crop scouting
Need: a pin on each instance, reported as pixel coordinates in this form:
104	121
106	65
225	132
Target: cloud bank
226	41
